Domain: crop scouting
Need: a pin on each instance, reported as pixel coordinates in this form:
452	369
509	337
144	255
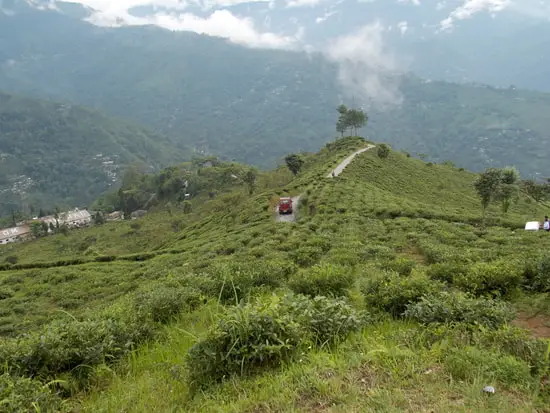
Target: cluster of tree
294	163
537	191
497	185
350	119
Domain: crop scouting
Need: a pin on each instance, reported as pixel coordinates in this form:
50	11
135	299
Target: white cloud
366	69
471	7
220	23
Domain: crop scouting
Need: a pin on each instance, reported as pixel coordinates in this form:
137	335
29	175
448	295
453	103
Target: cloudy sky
218	18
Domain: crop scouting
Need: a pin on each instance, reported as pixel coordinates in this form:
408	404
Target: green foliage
497	185
401	265
26	395
294	163
383	151
352	119
323	280
161	303
497	279
245	339
71	174
391	292
455	307
536	275
251	337
327	320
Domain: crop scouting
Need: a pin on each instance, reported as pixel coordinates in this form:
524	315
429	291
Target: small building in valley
14	234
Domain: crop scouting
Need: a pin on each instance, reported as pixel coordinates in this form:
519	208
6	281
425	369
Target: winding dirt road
335	172
340	168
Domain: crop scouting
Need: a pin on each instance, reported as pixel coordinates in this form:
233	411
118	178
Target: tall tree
342	124
294	163
250	179
487	186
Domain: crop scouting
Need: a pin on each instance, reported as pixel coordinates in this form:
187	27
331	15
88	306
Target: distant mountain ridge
55	154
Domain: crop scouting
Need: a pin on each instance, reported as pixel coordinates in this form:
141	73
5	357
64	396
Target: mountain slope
256	105
367	246
59	154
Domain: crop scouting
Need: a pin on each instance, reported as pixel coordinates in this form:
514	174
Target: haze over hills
499	42
56	154
254	105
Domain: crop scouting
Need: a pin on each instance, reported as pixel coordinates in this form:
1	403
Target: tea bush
75	345
391	292
401	265
247	338
323	279
26	395
326	320
536	275
164	302
232	281
447	307
446	271
307	255
496	279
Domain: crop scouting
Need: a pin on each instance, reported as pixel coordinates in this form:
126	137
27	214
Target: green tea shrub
164	302
327	320
536	275
383	151
307	255
245	339
26	395
323	279
400	265
232	281
497	278
455	307
75	345
253	336
391	292
446	271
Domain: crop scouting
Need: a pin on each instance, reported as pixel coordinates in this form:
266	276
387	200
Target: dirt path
296	199
340	168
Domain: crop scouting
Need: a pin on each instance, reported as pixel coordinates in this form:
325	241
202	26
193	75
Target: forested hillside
385	295
57	154
256	105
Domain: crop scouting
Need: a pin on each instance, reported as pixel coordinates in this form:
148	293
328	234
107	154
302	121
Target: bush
307	255
446	271
232	281
497	279
536	275
444	307
12	259
163	302
25	395
75	345
326	320
383	151
245	339
327	280
392	293
250	337
401	265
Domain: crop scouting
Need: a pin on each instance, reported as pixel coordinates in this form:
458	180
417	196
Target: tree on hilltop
352	119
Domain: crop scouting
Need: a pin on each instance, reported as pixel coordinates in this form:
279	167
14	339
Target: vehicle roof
285	199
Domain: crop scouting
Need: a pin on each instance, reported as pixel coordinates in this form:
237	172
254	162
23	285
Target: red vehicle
285	206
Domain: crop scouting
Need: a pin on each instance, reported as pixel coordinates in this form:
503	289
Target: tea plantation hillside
385	295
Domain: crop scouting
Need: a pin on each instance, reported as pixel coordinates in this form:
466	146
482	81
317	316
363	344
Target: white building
14	234
73	219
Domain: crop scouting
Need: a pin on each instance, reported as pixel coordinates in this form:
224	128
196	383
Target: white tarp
532	226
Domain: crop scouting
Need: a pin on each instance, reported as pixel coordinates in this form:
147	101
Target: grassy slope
387	367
